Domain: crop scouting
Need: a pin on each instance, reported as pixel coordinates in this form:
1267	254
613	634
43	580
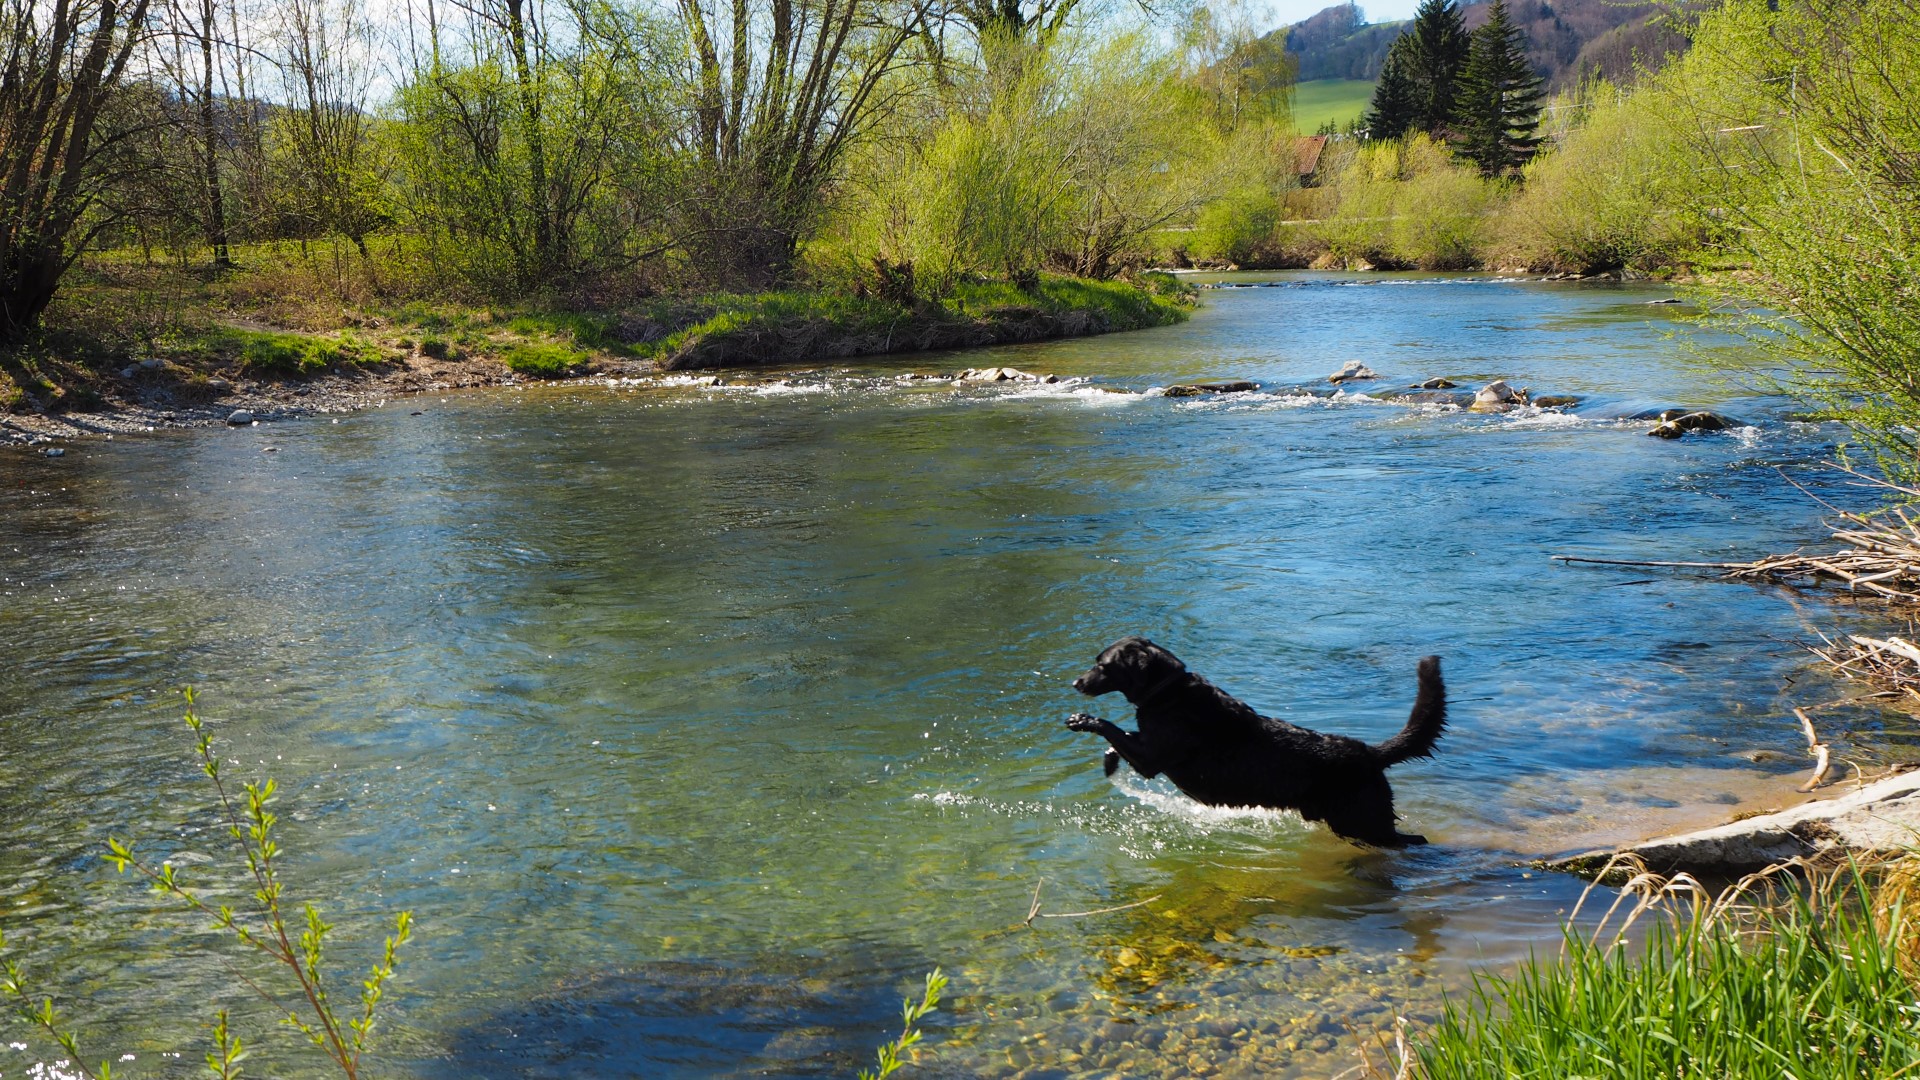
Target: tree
1435	55
777	101
61	74
1499	98
1396	100
1240	75
326	73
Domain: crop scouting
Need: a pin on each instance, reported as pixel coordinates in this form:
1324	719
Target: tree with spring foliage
60	139
1498	104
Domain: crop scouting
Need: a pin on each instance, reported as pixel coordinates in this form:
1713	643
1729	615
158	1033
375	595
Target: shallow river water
696	724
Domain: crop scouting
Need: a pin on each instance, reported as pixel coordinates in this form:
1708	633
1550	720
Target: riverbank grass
1781	976
287	315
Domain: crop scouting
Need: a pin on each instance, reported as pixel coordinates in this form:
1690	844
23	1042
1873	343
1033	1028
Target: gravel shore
152	400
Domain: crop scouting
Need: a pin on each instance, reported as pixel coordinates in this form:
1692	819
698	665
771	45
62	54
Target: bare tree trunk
541	197
210	144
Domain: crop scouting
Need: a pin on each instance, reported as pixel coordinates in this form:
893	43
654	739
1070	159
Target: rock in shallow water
1235	386
1675	423
240	416
1498	396
1354	369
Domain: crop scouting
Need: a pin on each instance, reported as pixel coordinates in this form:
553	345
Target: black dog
1222	753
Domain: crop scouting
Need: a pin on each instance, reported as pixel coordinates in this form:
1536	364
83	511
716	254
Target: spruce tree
1498	106
1436	53
1396	100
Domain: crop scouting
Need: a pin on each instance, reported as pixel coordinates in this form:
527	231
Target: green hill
1338	100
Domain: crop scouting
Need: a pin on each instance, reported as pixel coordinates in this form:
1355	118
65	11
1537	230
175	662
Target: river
696	724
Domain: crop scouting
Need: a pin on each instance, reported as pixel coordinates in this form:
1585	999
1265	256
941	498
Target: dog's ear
1155	652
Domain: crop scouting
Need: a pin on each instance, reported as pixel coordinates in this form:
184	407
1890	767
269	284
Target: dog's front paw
1082	722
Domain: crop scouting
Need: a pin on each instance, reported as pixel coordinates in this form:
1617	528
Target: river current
696	724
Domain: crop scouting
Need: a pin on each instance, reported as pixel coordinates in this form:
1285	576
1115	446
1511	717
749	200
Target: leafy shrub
1235	227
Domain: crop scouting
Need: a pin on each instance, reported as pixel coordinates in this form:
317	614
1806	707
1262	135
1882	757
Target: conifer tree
1436	53
1396	100
1498	106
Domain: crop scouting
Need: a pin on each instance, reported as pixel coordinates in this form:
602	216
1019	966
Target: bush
1612	196
1235	228
1407	202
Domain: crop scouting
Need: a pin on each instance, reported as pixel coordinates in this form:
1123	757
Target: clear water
696	724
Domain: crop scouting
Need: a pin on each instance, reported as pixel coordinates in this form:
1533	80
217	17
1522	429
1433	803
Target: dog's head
1134	666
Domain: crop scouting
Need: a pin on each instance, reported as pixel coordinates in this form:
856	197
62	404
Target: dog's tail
1425	726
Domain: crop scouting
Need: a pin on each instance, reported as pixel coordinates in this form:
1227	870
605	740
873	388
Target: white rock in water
1497	390
239	416
1354	369
54	451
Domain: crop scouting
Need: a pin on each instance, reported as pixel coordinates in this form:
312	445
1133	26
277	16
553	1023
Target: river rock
1675	423
54	451
1497	396
1555	401
1435	383
1457	398
239	416
1003	374
1878	818
1668	300
1237	386
219	384
1354	369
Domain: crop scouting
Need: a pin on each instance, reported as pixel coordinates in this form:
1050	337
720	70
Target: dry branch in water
1879	556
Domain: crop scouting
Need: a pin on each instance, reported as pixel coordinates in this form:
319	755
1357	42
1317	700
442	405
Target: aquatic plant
297	945
1790	972
911	1012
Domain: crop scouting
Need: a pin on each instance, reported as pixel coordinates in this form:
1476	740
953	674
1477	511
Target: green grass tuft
542	361
263	351
1807	983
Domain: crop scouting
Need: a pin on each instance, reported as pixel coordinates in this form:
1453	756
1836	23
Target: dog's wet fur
1218	750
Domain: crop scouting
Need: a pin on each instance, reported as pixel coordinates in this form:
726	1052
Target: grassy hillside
1338	100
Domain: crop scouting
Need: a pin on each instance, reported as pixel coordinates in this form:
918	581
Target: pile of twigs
1881	556
1890	662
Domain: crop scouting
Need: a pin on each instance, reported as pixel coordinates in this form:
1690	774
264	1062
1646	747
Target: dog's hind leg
1125	744
1366	815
